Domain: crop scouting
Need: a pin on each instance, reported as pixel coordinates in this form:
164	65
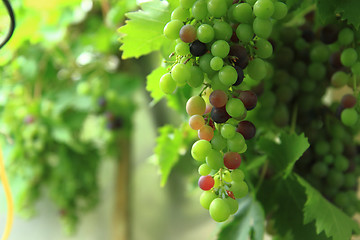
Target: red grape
232	160
206	182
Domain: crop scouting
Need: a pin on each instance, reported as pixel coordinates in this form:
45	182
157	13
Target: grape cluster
220	44
308	63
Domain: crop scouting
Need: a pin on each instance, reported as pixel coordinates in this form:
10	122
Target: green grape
284	93
348	57
262	27
322	148
206	198
219	210
244	32
200	149
172	29
214	159
240	189
328	159
235	108
218	142
339	79
350	180
228	131
167	84
256	69
204	169
263	8
204	63
217	8
355	68
220	48
244	148
195	106
187	3
223	30
180	13
199	10
205	33
237	175
319	169
317	71
216	63
182	49
280	10
251	2
197	77
233	205
263	48
349	117
227	176
228	75
180	73
341	199
320	53
341	163
236	143
336	146
335	178
243	13
216	84
346	36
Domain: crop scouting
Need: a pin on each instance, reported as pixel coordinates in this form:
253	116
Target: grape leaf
167	150
283	155
152	83
327	217
249	220
143	32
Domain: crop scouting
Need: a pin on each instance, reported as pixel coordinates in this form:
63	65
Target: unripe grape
214	159
180	73
240	189
204	169
200	150
263	8
172	29
205	33
219	210
237	175
167	84
235	108
206	198
217	8
233	205
228	131
195	106
349	117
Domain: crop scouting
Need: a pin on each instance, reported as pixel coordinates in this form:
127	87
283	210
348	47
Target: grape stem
293	119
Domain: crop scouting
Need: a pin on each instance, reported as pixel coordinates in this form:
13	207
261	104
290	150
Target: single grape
240	189
329	34
204	169
206	182
200	150
228	131
239	56
217	8
214	159
322	147
172	29
341	163
167	84
188	33
237	175
197	48
339	79
348	57
263	48
263	8
219	210
197	77
199	9
243	13
350	180
220	48
196	122
262	27
218	98
216	84
346	36
235	108
236	143
320	53
216	63
348	101
257	69
280	10
206	132
349	117
233	205
232	160
317	71
219	115
205	33
249	99
247	129
182	49
206	198
319	169
180	73
228	75
218	142
195	106
187	3
244	32
222	30
180	13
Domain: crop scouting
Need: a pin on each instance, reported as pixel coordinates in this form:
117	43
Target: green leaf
167	150
143	32
249	221
152	83
327	217
284	153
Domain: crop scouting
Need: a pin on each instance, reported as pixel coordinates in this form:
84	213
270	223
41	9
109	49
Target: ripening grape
219	210
206	182
200	150
188	33
232	160
195	106
348	101
220	115
196	122
218	98
206	132
249	99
